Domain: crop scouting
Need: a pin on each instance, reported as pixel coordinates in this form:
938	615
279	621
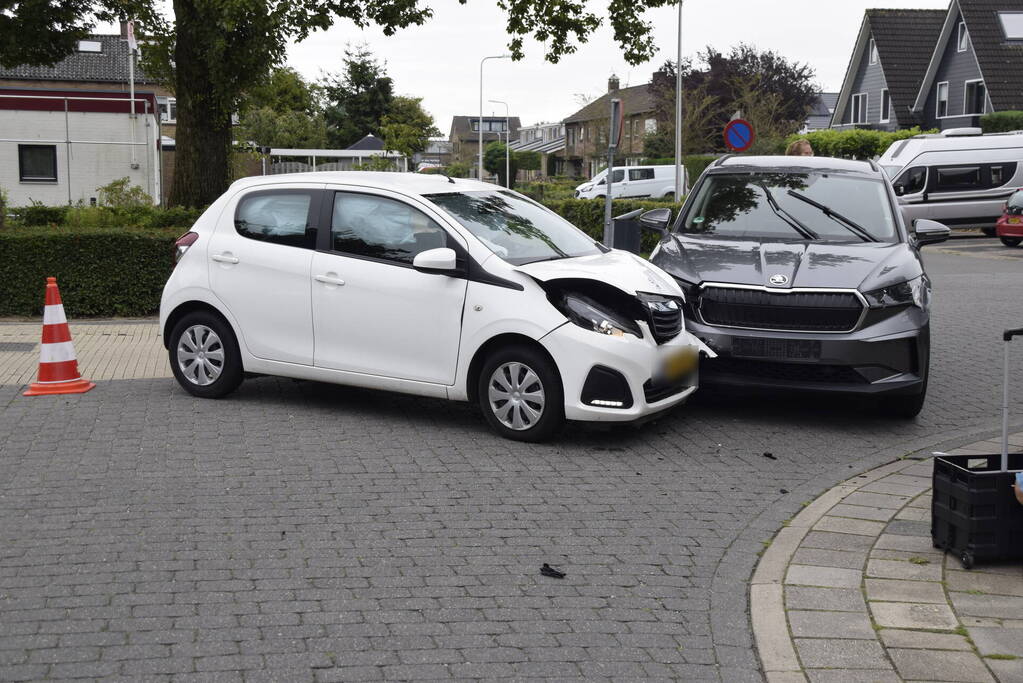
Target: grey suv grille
792	311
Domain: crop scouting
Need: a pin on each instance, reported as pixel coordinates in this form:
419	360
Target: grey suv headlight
585	312
916	292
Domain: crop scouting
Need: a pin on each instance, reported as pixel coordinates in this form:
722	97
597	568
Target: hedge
857	143
104	216
120	271
101	271
588	215
1002	121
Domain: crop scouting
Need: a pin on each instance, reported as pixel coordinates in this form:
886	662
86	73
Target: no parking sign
739	135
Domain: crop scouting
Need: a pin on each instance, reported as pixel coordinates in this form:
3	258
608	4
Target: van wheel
520	394
1012	241
204	355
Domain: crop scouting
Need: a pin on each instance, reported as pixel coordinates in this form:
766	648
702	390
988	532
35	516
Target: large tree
355	101
716	85
283	90
216	51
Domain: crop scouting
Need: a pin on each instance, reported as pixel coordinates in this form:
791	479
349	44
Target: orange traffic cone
58	365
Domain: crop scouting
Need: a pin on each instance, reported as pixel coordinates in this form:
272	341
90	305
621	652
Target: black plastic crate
974	512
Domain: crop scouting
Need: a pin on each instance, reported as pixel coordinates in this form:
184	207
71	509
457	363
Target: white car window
278	216
378	227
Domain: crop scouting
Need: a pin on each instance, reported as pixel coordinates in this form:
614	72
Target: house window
859	108
976	97
37	163
90	46
886	107
942	99
1012	25
964	37
873	51
651	126
168	109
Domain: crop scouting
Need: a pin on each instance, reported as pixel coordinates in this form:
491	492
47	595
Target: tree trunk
202	159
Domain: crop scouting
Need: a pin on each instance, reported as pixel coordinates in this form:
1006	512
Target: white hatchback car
424	285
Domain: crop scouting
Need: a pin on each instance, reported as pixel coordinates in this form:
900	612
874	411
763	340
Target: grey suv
801	274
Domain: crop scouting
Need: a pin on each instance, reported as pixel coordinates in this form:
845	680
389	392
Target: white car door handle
328	280
224	258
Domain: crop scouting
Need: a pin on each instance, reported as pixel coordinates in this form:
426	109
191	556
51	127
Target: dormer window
90	46
1012	25
964	37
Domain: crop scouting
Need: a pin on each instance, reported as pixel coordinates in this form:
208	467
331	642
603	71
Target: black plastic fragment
550	571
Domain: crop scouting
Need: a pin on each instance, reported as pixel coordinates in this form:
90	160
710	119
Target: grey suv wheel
204	355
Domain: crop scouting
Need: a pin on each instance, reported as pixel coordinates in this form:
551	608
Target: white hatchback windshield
518	230
780	205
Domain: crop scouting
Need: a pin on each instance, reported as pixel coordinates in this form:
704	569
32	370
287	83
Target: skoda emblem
778	280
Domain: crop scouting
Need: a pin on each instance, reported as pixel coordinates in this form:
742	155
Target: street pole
612	143
480	172
680	176
507	143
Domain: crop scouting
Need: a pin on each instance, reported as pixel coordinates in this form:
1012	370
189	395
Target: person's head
800	148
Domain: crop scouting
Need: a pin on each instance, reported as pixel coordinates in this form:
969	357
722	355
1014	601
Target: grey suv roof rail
723	159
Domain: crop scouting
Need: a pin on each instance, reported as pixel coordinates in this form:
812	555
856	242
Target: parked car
800	273
1010	225
958	177
657	182
429	286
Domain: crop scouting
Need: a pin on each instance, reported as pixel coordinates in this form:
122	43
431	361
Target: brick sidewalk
106	350
853	590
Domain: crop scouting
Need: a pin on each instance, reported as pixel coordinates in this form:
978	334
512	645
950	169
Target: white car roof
405	183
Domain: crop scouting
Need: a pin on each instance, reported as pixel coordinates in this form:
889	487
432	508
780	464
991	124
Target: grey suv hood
865	266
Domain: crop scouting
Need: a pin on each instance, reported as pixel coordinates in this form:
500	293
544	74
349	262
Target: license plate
787	349
678	363
1015	219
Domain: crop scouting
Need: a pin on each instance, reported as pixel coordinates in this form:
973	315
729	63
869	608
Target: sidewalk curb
773	639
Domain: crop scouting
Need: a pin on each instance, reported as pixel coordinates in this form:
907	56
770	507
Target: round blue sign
739	135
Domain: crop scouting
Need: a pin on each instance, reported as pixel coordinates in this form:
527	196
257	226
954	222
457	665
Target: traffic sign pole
615	132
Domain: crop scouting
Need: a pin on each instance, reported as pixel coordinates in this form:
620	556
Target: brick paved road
306	532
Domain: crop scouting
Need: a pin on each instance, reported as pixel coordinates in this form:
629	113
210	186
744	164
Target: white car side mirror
436	260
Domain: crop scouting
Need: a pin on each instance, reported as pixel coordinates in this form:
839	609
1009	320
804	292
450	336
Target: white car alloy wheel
200	355
516	396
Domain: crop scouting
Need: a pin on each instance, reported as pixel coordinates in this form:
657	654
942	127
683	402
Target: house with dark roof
465	131
940	68
587	130
887	66
369	141
821	111
100	64
975	66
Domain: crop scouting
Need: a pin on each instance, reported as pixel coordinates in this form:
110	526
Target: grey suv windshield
739	205
514	228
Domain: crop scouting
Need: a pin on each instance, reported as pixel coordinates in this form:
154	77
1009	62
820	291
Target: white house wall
93	161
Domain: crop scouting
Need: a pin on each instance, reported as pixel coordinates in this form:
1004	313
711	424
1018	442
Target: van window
914	180
955	178
641	174
1002	173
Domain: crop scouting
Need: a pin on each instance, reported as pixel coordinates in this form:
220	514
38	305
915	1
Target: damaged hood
620	269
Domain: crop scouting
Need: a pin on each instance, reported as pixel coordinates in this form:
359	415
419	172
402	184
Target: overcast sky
440	61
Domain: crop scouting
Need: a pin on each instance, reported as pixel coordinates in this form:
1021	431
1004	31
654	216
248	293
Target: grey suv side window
382	228
277	216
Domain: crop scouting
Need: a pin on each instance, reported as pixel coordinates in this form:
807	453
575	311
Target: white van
657	182
958	177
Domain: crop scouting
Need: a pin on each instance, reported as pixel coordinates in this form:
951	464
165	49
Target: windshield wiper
850	224
793	223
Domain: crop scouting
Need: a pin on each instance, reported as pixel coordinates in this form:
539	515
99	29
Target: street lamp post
505	56
680	177
507	144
